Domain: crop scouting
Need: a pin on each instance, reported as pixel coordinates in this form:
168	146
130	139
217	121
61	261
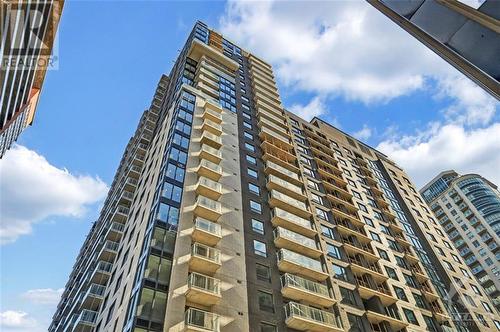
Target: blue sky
342	61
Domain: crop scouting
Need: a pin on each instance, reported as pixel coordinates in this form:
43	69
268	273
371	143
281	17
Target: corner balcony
282	172
274	182
305	318
284	238
201	321
209	153
203	289
211	140
93	297
280	217
115	232
86	321
207	208
209	170
292	262
299	289
208	188
206	232
287	203
108	251
204	259
211	126
101	273
394	321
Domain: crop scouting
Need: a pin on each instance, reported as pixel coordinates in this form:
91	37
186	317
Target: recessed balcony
295	263
197	320
395	322
126	198
211	140
207	208
282	172
206	232
203	289
93	297
353	247
305	318
292	222
208	188
101	273
211	126
359	267
115	232
204	259
130	184
209	153
367	290
209	169
274	182
121	214
284	238
301	289
86	321
287	203
108	251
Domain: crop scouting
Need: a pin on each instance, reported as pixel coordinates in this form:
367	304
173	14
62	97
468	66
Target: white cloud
315	107
44	296
32	189
342	48
11	319
364	133
449	146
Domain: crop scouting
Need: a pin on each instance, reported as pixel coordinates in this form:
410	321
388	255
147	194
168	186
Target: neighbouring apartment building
28	29
468	208
229	213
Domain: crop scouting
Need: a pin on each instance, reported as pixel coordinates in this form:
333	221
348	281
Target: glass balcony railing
285	184
304	261
111	246
208	226
212	126
290	280
280	213
202	320
210	165
288	200
301	311
87	317
204	283
295	237
215	186
282	170
104	267
210	153
211	139
206	252
96	290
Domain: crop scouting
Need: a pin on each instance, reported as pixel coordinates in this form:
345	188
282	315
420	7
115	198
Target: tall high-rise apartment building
229	213
28	29
467	37
468	208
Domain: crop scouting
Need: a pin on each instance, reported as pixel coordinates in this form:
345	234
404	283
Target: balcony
275	135
395	322
353	247
360	267
203	289
282	172
211	126
428	292
368	289
273	117
206	232
115	232
209	169
201	321
438	312
207	208
292	262
299	289
287	203
130	184
292	222
212	115
101	273
208	188
211	140
204	259
347	228
126	198
209	153
284	238
120	215
108	251
274	182
304	318
93	297
86	321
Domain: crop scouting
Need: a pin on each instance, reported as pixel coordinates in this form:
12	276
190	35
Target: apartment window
327	231
171	192
465	273
332	251
257	226
410	281
449	266
348	296
401	262
254	188
487	307
352	183
410	316
266	302
263	272
355	322
249	147
470	300
321	214
317	199
475	289
482	320
441	252
175	172
181	141
110	312
256	207
497	324
265	327
431	326
400	293
419	300
375	237
384	229
339	272
368	221
246	115
455	258
252	173
313	185
447	245
383	254
356	194
247	125
362	207
251	160
391	273
248	136
259	248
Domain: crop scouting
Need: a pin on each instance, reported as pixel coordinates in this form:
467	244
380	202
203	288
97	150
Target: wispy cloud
364	133
44	296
